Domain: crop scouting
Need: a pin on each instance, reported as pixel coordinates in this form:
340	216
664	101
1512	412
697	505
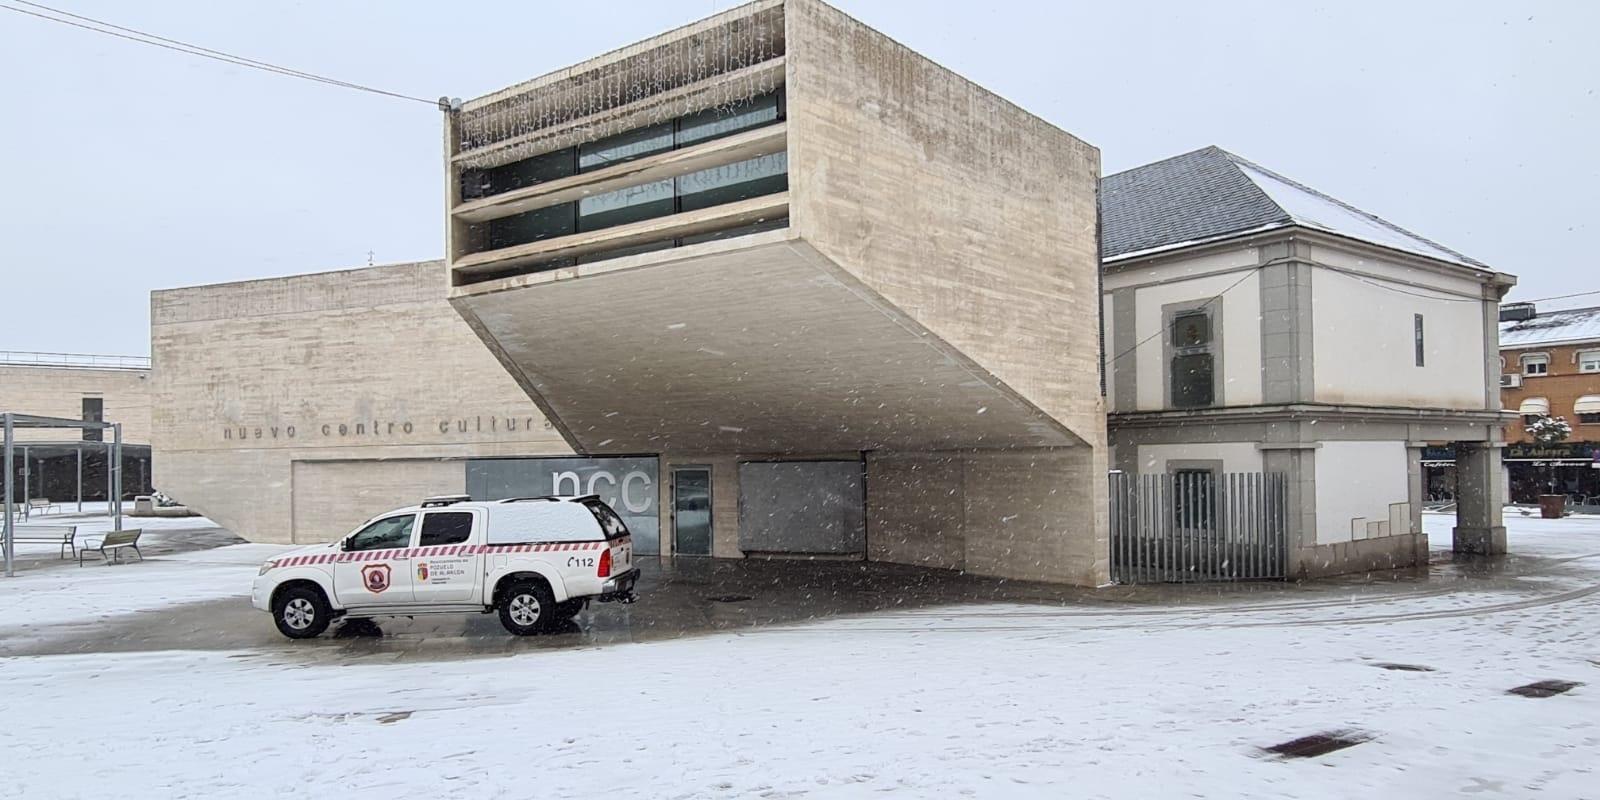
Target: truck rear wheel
527	607
301	612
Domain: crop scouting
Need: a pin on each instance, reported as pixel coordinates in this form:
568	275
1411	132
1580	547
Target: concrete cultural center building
774	285
781	285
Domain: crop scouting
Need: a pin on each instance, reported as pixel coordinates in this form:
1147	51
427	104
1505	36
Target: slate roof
1552	327
1212	193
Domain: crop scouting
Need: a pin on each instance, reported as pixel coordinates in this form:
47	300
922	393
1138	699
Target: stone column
1479	488
1297	461
1416	485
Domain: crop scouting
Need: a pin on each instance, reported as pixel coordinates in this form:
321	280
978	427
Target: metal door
691	511
815	507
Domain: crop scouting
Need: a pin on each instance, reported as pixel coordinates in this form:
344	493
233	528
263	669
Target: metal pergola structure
14	421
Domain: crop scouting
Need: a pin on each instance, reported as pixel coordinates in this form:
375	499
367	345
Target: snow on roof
1211	194
1313	209
1552	327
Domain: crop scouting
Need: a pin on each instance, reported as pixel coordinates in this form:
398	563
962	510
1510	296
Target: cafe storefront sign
1563	453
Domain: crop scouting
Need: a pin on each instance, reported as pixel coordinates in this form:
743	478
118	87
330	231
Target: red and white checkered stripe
438	551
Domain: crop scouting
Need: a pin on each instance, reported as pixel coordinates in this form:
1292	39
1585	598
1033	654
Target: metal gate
1196	526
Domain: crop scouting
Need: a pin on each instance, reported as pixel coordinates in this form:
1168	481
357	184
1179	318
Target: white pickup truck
535	560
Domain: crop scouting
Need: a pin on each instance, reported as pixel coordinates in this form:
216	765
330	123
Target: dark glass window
1194	498
685	131
622	206
387	533
1416	323
1589	419
445	527
1192	381
626	146
608	519
94	410
531	226
716	122
1193	364
1191	330
476	183
732	182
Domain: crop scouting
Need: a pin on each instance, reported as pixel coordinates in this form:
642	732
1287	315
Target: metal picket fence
1197	526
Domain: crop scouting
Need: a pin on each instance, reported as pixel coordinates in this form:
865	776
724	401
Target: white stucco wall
1363	345
1235	456
1241	335
1357	479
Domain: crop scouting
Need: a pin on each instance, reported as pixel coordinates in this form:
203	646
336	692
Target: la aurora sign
387	429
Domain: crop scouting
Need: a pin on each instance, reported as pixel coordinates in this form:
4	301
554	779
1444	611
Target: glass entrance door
691	511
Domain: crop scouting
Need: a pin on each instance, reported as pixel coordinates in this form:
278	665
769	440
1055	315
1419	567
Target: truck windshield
609	521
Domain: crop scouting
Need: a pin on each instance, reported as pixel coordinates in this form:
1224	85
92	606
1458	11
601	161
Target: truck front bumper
619	588
261	595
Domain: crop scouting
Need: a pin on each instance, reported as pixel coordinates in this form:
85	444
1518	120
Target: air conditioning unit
1510	381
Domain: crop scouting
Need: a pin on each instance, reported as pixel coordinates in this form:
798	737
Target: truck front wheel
301	612
527	607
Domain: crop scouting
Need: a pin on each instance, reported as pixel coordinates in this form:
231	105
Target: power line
1395	289
1214	298
1329	267
175	45
1558	297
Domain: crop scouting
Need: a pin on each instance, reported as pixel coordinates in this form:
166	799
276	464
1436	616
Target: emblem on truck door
422	572
375	577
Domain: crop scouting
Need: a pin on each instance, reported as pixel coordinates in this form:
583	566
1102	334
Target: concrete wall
1363	345
973	216
978	221
253	380
1357	482
915	510
331	498
1012	514
59	392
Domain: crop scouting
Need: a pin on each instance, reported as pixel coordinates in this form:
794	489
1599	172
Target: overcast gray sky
128	168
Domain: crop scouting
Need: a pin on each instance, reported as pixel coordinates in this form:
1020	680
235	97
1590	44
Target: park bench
63	535
112	544
41	505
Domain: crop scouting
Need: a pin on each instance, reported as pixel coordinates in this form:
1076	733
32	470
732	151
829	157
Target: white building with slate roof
1255	324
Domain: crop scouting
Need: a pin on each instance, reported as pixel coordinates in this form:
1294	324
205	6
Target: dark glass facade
686	131
728	183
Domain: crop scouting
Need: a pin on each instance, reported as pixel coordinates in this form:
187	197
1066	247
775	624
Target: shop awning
1587	404
1534	407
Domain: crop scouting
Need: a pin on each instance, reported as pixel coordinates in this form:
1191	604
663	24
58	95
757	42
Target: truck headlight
267	567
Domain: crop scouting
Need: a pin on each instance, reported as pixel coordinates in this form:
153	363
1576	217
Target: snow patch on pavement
983	700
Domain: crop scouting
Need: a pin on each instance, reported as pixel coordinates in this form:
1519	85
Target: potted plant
1549	432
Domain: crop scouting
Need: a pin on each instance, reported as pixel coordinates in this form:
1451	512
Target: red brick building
1550	366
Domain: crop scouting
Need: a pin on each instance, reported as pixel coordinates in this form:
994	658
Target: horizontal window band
688	223
732	149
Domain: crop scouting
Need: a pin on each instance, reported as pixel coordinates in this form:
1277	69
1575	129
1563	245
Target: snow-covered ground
976	700
40	598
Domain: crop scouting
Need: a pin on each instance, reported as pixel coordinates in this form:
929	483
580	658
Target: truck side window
384	534
445	527
610	523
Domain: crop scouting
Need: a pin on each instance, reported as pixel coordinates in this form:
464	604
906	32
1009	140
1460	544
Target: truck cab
534	560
